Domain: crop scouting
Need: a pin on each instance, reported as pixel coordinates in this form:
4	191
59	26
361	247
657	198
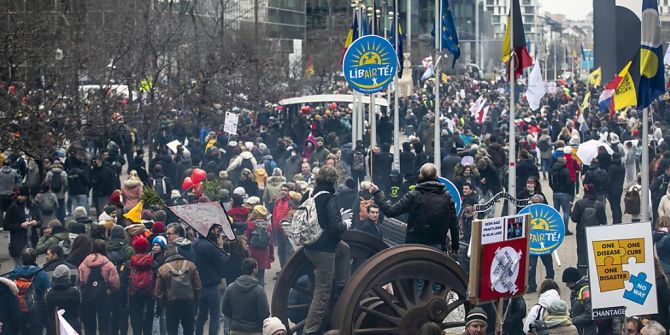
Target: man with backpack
245	302
9	180
161	183
141	287
600	180
56	257
177	289
78	185
562	187
580	301
32	283
119	252
588	211
210	262
58	181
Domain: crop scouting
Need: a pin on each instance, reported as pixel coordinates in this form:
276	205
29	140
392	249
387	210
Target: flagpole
511	175
644	196
355	102
437	159
396	109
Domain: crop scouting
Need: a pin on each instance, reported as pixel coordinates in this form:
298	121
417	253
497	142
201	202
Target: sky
573	9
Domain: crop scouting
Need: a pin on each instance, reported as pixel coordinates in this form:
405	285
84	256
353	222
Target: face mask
531	189
293	154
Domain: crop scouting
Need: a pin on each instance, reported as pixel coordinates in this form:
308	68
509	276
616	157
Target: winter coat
599	178
539	310
547	153
120	246
559	177
279	212
162	291
40	281
109	273
369	227
239	214
45	242
449	165
9	180
185	249
18	236
131	190
616	174
345	197
103	180
235	163
56	171
78	181
50	267
329	216
525	169
273	189
46	200
264	256
66	297
589	200
246	304
490	175
210	262
9	306
580	308
431	213
662	244
558	325
664	206
498	154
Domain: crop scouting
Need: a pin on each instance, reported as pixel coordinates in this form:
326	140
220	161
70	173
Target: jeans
329	267
545	165
119	318
141	309
184	313
562	201
210	303
261	277
96	317
615	205
284	247
226	325
80	200
548	265
100	202
60	212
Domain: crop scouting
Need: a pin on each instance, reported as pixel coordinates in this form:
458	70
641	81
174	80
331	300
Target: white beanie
272	325
175	194
240	191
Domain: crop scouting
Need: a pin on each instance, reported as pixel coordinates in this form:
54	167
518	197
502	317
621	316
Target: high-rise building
533	20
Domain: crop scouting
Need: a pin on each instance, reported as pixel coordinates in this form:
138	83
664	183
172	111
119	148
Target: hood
246	155
182	242
6	169
431	186
62	236
87	220
95	260
26	270
344	189
132	183
142	261
267	158
10	285
116	245
247	283
547	297
276	180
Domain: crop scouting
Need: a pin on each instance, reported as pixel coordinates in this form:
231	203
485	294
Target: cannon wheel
382	296
362	246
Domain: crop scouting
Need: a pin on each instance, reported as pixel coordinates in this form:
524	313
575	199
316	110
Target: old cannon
394	288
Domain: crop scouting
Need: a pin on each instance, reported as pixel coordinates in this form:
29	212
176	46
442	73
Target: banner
499	259
502	195
230	124
203	216
623	277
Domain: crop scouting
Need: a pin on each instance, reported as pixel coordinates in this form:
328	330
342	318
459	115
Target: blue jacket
41	281
210	262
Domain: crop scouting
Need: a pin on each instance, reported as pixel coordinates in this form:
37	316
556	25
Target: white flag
428	73
536	87
666	58
64	328
478	106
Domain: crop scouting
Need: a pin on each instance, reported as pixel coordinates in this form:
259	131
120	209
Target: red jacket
264	256
279	212
239	214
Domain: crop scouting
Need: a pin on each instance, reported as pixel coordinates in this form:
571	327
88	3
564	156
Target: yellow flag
585	102
625	94
506	52
596	77
135	213
445	78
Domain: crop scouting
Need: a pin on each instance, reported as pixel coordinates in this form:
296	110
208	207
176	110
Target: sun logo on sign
370	55
543	220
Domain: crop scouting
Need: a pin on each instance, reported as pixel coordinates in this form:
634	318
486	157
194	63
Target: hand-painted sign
455	195
370	64
547	230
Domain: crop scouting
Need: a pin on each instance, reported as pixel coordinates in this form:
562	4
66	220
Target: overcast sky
573	9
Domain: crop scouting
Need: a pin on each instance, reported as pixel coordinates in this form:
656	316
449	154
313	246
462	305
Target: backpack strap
318	194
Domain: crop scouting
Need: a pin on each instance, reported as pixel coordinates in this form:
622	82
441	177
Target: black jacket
103	180
63	296
449	164
330	219
77	181
345	197
598	177
580	308
525	169
246	304
616	174
589	200
369	227
431	213
559	179
9	308
210	262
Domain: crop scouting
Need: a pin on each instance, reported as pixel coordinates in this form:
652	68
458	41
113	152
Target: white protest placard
230	124
621	266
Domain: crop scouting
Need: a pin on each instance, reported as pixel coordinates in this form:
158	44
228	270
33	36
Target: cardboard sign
621	264
499	259
202	216
230	124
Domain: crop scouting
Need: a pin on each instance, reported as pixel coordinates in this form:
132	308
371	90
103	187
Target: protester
18	220
140	287
556	321
98	280
210	262
273	326
259	235
176	234
63	296
27	277
588	211
54	258
371	225
549	292
281	208
476	322
245	302
580	301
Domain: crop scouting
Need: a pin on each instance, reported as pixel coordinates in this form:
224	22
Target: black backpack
160	186
589	216
246	164
56	182
96	287
260	239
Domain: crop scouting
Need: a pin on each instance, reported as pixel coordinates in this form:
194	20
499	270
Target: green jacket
122	247
45	242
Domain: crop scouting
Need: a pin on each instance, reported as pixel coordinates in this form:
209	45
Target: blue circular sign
455	195
370	64
547	230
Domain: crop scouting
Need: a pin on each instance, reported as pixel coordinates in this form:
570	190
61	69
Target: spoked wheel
297	278
400	289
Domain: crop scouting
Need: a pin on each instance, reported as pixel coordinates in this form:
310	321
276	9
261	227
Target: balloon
198	175
187	184
333	106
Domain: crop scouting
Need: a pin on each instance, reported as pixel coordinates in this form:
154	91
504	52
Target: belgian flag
520	53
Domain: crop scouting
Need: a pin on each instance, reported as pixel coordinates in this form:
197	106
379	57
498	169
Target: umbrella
588	150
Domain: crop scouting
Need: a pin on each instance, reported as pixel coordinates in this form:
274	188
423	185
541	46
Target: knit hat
24	191
160	240
80	212
147	215
571	275
61	271
158	228
240	191
117	232
175	194
109	209
253	201
76	227
476	314
260	210
140	245
272	325
558	307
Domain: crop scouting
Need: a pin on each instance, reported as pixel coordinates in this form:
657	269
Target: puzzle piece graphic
641	288
611	276
608	249
634	248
